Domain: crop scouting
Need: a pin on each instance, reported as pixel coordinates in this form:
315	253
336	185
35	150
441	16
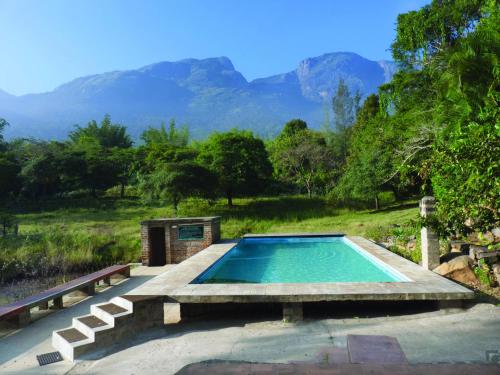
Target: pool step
106	323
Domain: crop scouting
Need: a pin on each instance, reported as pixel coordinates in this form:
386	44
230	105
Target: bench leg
43	306
107	280
58	303
24	318
126	272
89	289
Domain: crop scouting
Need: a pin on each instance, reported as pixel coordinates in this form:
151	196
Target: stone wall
177	250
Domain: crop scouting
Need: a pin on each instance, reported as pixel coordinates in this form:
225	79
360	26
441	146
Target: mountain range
206	94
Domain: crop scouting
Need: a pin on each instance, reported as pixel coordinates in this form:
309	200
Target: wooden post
430	240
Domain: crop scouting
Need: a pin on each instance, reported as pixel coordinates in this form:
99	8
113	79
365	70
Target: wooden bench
19	311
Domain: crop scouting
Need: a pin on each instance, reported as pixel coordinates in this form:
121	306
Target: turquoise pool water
297	260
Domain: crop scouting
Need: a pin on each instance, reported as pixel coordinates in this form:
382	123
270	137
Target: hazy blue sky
44	43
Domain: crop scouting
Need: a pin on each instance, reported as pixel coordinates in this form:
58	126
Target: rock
475	250
469	222
489	237
411	245
473	237
458	269
388	242
488	256
496	272
457	263
496	234
465	276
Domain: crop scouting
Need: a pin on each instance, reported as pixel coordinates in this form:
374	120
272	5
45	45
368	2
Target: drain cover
45	359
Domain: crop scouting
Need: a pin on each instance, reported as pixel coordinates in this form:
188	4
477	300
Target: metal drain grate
45	359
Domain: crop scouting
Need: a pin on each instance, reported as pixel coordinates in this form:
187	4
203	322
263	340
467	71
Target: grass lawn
119	219
87	235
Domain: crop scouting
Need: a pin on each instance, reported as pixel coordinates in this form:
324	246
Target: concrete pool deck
175	285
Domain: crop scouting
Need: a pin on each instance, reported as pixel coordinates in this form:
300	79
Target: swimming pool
298	259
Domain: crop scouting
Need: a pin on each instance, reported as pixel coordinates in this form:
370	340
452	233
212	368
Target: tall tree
369	164
239	160
345	107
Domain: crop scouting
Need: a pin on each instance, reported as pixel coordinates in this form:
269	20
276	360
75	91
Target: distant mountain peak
208	94
319	76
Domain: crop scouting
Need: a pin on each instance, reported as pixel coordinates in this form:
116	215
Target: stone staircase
107	323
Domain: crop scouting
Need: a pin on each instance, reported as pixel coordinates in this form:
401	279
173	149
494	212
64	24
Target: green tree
107	134
40	175
99	173
9	168
466	174
177	181
369	165
434	29
39	167
443	98
107	154
148	157
239	160
121	162
9	177
293	127
345	107
301	156
173	137
3	125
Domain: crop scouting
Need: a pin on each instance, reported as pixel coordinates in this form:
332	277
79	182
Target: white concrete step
123	302
71	342
88	331
109	312
107	323
91	326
